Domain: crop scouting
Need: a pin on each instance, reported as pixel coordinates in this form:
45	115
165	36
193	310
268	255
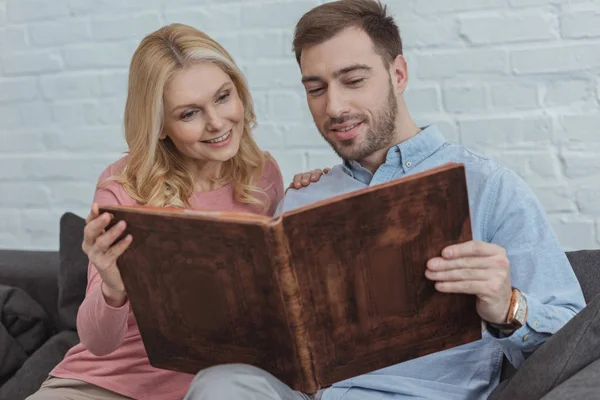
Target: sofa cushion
32	374
35	272
24	326
586	264
72	275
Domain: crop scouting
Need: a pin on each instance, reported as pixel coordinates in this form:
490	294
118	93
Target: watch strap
517	313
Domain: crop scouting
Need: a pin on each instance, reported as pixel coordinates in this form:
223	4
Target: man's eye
356	81
315	91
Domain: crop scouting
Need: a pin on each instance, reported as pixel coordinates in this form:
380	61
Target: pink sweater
111	353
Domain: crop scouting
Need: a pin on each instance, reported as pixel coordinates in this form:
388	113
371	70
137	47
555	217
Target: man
354	74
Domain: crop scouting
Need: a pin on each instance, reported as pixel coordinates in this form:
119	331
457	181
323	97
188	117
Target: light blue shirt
504	211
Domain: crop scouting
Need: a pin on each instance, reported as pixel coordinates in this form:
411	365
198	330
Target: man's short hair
327	20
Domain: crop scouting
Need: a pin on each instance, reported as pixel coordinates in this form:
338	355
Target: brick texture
516	80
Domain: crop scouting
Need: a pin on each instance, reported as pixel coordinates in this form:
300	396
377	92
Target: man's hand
477	268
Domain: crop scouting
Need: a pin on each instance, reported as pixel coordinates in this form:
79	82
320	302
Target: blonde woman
188	120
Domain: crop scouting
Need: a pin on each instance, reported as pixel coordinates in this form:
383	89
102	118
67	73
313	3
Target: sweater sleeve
101	327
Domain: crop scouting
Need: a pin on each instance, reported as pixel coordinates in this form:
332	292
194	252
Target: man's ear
399	71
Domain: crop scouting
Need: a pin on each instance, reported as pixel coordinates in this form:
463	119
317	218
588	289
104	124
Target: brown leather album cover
316	295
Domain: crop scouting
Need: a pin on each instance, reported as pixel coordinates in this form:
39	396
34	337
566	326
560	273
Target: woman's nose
214	121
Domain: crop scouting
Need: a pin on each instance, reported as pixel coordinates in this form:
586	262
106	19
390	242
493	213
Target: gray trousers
566	367
243	382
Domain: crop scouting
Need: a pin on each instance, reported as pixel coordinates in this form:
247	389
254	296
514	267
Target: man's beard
379	136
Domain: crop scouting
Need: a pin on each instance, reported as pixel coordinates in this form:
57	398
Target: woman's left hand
305	178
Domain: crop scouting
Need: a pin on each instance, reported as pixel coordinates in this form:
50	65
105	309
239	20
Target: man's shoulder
478	165
326	184
488	178
334	183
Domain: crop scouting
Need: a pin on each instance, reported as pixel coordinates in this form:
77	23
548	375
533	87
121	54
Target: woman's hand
103	253
305	178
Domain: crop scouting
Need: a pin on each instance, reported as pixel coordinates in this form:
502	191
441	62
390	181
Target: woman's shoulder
271	174
113	170
271	181
110	188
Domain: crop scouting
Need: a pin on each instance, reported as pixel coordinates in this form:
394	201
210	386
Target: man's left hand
477	268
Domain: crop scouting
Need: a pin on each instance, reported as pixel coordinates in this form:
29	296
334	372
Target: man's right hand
103	253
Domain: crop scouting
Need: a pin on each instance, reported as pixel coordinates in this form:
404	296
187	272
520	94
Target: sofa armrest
36	272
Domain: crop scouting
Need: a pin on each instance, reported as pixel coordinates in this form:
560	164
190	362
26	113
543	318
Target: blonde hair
155	173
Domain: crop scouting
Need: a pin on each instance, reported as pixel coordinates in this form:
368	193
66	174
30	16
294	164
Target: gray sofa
57	281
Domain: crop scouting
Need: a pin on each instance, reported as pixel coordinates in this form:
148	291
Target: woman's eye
223	98
188	115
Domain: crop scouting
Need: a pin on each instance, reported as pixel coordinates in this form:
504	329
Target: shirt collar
407	154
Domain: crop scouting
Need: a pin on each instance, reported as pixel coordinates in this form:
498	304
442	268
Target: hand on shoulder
304	179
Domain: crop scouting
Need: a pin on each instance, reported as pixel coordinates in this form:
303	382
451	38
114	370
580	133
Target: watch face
520	315
521	311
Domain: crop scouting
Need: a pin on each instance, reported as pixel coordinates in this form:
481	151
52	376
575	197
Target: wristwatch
517	313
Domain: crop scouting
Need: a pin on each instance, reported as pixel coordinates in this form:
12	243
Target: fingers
297	181
93	229
493	292
454	275
97	242
483	276
304	179
94	212
115	251
105	252
315	175
105	240
466	287
441	264
472	249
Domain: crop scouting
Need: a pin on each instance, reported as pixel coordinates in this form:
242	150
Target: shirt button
526	337
408	164
536	324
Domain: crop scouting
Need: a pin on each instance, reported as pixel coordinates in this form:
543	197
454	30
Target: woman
188	120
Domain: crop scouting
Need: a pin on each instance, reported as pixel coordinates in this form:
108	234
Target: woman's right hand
103	253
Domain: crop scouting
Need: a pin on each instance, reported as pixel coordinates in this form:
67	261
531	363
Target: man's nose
337	104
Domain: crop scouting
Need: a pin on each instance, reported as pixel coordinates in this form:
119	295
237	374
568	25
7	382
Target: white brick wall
518	80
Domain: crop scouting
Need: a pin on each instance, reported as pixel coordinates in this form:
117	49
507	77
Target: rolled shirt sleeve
540	269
